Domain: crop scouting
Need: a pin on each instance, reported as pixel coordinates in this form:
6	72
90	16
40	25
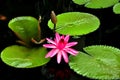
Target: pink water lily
60	47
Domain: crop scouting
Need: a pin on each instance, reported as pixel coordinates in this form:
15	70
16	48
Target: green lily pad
75	23
98	62
23	57
97	4
116	8
80	2
25	27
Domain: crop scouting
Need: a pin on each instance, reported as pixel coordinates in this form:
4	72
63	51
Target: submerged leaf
75	23
23	57
99	62
25	27
116	8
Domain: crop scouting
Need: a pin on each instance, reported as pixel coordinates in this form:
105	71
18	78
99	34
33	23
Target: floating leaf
96	4
99	62
23	57
116	8
80	2
25	27
75	23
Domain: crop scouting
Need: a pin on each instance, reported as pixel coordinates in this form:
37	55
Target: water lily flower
61	47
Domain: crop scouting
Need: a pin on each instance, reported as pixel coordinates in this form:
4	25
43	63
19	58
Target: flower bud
53	17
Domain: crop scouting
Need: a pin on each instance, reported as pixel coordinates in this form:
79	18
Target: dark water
107	34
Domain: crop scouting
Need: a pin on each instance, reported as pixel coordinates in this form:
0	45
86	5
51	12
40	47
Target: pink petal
51	41
49	46
71	51
59	57
65	56
51	53
70	44
67	37
62	37
57	37
55	52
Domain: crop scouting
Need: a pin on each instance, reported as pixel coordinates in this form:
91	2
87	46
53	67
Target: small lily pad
96	4
75	23
116	8
25	27
23	57
98	62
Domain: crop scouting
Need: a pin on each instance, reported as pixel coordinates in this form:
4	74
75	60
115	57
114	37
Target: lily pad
96	4
98	62
116	8
23	57
25	27
75	23
80	2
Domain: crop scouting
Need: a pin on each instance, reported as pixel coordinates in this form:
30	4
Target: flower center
61	44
